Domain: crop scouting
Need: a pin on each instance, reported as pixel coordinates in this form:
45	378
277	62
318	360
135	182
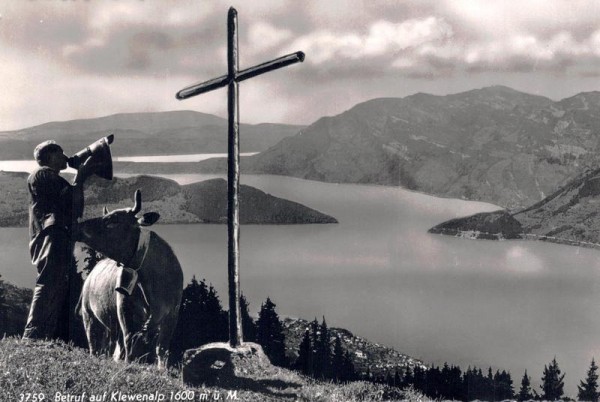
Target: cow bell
126	281
101	157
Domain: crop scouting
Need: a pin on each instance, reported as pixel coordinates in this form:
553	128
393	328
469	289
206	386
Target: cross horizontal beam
207	86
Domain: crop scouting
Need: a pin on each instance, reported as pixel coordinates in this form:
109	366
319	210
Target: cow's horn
105	211
137	207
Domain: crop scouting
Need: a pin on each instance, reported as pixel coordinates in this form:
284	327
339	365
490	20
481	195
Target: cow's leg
131	319
167	327
95	332
122	350
149	335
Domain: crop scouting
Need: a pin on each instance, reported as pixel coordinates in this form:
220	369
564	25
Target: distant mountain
569	216
203	202
164	133
366	356
494	144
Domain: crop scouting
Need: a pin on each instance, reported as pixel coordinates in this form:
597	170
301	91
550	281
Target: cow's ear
149	218
105	211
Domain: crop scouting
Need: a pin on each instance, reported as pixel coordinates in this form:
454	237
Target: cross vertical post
233	183
232	80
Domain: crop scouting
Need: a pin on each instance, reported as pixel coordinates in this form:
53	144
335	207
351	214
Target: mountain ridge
174	132
490	144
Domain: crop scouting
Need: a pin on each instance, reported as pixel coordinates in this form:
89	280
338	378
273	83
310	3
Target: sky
69	59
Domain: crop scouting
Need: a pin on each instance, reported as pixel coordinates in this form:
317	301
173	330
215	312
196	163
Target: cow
137	326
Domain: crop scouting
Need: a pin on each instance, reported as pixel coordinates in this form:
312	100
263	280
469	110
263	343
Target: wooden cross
231	80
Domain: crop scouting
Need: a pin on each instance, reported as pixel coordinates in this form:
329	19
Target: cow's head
116	233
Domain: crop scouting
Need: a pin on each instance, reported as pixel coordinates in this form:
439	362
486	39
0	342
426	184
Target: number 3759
32	397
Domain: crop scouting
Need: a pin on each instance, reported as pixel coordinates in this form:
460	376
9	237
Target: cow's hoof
220	364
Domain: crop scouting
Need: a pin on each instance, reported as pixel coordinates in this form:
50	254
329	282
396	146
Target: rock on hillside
569	216
492	144
204	202
164	133
366	355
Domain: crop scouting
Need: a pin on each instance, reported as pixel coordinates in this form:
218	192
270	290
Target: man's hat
45	147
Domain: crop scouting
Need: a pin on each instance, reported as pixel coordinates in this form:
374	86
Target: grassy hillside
54	368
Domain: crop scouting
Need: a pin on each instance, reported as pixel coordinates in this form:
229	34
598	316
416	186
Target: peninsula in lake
202	202
568	216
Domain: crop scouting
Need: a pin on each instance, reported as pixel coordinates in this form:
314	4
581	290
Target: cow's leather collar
138	257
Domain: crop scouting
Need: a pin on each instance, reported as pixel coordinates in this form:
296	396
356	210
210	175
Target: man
55	205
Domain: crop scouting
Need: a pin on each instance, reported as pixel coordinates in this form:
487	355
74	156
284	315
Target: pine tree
304	363
3	309
188	332
503	385
248	324
454	381
323	351
525	393
588	390
420	379
552	382
219	330
408	378
482	385
337	360
467	388
315	332
270	335
474	385
490	391
201	319
348	372
433	381
397	379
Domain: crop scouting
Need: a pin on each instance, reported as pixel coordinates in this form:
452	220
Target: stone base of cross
231	80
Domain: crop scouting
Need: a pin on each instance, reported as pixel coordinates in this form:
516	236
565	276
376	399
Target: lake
513	305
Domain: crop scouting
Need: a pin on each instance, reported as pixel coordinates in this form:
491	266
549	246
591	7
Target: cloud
355	49
383	38
265	36
516	52
426	39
